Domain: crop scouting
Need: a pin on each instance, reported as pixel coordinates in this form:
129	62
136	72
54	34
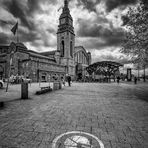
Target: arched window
62	49
71	50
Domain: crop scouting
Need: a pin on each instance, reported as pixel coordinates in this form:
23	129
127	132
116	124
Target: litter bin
57	85
24	90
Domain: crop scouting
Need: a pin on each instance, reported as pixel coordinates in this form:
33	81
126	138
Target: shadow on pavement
142	95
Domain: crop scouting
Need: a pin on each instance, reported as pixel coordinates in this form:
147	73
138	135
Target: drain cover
77	139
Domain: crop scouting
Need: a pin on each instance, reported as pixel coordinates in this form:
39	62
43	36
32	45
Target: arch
62	48
71	49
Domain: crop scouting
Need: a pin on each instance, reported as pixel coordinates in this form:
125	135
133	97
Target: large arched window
71	50
62	49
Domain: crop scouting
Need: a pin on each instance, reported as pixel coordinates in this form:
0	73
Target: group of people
68	79
118	79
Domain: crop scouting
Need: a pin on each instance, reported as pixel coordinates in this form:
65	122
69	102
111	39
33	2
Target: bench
46	87
44	90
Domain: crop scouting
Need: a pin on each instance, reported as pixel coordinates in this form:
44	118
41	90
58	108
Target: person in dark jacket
135	80
69	80
118	79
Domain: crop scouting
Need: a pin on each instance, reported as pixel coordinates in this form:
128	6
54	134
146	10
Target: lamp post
38	72
10	63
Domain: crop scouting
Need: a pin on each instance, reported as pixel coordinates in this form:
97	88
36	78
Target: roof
21	45
4	46
47	53
100	67
80	48
107	63
41	56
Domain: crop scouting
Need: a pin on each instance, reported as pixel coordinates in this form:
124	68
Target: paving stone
116	114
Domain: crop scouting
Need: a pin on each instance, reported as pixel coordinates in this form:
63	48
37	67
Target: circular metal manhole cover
77	139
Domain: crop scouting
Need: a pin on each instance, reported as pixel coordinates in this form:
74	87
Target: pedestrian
118	79
135	80
63	81
69	80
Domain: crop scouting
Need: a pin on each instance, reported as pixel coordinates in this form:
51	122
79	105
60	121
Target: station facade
16	59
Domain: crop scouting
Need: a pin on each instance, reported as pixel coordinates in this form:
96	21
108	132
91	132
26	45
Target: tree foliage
106	68
136	37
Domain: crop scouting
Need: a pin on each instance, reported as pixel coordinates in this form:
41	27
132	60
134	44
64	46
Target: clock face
62	21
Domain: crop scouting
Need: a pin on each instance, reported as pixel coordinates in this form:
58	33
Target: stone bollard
60	85
1	104
55	85
24	90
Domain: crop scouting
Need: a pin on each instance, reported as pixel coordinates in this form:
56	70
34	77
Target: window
71	50
62	49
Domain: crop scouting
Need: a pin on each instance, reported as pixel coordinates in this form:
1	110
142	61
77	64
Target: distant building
53	65
82	59
29	64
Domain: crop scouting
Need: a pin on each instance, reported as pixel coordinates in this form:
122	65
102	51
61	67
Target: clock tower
66	40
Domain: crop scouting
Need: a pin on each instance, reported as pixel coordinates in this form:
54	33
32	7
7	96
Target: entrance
1	72
78	72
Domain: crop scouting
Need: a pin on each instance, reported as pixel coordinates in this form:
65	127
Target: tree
136	36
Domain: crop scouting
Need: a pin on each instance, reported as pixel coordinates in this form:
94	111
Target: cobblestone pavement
116	114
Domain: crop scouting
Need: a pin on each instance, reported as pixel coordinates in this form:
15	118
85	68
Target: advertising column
129	74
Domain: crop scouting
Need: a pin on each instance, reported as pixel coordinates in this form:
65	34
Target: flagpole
17	34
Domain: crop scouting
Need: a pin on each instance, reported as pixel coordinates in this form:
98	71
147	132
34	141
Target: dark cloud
51	30
33	5
17	10
110	57
89	4
112	4
91	29
110	36
4	23
4	39
28	37
24	11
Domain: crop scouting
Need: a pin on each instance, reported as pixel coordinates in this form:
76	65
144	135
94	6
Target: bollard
1	104
24	90
57	85
60	85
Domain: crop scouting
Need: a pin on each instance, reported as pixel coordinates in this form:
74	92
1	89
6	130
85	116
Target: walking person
69	80
135	80
118	79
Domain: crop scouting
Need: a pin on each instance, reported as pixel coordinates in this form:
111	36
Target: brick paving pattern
116	114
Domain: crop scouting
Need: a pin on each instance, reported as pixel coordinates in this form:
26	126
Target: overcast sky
97	23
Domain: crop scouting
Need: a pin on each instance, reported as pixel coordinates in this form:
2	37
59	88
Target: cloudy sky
97	23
